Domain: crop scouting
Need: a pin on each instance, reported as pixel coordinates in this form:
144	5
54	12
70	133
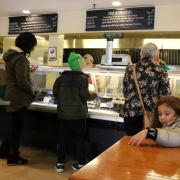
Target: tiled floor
40	167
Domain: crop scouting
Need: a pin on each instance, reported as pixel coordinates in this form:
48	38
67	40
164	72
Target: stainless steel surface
100	114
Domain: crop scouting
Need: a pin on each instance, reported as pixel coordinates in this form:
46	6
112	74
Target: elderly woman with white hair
153	82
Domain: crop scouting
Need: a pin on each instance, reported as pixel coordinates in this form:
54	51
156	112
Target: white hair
149	50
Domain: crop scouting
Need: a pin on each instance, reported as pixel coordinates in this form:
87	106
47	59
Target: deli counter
104	126
107	83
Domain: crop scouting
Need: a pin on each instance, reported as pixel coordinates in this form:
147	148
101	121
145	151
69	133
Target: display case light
116	3
25	11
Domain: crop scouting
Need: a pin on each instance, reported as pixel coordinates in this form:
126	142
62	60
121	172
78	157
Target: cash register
117	60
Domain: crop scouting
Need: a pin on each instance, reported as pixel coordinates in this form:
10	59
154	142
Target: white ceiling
14	7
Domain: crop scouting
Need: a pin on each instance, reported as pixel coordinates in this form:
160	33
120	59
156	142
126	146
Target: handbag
148	116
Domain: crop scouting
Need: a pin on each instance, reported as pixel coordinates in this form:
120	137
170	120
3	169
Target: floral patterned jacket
153	82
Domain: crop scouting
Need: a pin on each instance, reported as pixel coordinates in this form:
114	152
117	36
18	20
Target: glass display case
107	83
177	87
174	79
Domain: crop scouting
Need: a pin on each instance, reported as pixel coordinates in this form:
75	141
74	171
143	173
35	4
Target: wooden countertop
122	161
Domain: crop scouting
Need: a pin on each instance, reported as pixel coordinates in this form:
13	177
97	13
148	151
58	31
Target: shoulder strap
137	87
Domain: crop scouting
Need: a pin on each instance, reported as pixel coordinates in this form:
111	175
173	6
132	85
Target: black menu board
120	19
45	23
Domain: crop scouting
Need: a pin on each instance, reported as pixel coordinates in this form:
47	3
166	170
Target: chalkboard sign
120	19
45	23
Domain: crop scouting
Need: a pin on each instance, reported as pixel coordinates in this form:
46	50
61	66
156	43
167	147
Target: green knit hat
75	61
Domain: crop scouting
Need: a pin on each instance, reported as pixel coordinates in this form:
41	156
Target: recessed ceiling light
25	11
116	3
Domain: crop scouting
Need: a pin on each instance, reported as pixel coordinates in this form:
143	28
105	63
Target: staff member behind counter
88	60
72	94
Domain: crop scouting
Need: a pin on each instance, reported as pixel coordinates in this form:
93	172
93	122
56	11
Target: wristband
152	133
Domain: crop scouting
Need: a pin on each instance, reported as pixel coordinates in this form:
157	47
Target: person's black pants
75	129
15	131
133	125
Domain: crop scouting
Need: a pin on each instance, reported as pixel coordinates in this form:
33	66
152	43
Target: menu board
120	19
45	23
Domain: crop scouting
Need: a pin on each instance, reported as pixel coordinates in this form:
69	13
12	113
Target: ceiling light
116	3
26	11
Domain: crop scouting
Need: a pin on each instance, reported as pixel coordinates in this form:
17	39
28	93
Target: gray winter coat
169	135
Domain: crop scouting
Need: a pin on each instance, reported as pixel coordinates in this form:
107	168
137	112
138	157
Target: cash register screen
116	59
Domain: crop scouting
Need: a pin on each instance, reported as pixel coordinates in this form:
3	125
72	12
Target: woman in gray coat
167	121
19	92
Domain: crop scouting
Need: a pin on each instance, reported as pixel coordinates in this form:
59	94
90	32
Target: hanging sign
45	23
120	19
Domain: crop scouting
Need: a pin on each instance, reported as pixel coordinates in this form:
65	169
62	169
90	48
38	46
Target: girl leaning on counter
166	126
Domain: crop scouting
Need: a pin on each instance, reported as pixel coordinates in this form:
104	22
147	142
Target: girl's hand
138	138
